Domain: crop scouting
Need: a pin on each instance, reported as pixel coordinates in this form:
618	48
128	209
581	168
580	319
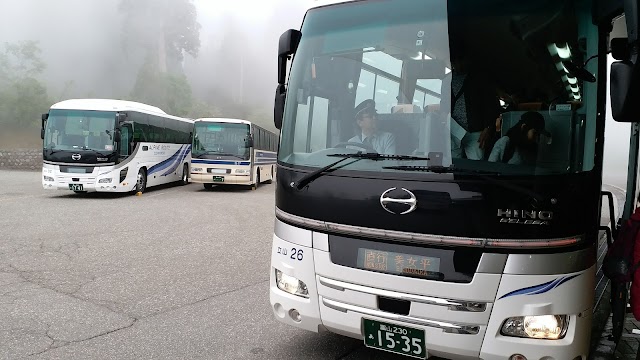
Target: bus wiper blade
441	169
481	174
376	156
305	180
97	152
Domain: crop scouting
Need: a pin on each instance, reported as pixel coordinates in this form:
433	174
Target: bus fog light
48	178
291	284
550	327
517	357
295	315
242	171
195	169
105	181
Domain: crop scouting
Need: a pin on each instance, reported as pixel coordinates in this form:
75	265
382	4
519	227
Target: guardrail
21	159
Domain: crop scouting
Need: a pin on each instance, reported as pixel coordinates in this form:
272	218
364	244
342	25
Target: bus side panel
526	295
164	162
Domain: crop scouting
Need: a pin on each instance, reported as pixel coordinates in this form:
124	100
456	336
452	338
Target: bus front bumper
342	311
221	179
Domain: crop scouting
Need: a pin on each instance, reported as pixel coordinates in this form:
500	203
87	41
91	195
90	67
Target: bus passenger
472	101
366	119
520	145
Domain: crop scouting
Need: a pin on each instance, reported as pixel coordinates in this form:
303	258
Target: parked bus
469	226
113	146
231	151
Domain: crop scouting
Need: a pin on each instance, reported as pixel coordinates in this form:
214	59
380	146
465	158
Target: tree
22	96
171	93
164	29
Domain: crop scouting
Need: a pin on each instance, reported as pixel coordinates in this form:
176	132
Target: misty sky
81	43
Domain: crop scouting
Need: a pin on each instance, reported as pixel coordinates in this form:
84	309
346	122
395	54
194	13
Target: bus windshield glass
481	85
218	140
80	130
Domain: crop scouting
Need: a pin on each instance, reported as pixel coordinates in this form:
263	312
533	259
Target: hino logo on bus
411	203
525	217
76	157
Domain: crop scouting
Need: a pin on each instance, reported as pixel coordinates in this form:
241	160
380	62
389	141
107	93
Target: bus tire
254	187
141	181
270	181
185	175
208	186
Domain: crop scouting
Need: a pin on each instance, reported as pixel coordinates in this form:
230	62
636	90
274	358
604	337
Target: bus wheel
141	183
185	175
254	187
208	186
271	178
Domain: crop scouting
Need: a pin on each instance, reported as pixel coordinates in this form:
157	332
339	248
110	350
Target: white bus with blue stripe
113	146
232	151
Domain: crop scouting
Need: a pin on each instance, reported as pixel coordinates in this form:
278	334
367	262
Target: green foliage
22	97
165	28
171	93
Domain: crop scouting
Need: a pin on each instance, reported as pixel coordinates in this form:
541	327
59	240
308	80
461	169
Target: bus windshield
80	130
217	140
480	85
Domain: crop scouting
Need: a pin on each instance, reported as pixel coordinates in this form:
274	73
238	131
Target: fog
97	48
92	48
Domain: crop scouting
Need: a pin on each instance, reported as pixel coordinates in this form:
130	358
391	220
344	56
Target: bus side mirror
288	44
625	83
249	142
44	121
278	107
117	136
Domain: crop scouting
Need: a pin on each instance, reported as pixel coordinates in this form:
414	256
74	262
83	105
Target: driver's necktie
367	141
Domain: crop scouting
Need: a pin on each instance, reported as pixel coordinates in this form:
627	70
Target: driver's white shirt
382	142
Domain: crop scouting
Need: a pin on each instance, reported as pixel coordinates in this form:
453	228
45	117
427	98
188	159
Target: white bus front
81	151
416	212
221	153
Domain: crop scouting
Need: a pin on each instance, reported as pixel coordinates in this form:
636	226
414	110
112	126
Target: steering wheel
369	148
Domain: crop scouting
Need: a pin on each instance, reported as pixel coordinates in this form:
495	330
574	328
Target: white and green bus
232	151
109	145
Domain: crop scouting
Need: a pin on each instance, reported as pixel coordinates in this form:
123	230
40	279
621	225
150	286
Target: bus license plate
218	178
76	187
394	338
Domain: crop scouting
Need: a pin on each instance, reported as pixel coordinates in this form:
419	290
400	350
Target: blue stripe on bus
540	289
266	155
219	162
179	160
164	164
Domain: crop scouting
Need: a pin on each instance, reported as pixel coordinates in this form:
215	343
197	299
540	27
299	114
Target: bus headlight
242	171
196	169
48	178
105	181
551	327
291	284
123	174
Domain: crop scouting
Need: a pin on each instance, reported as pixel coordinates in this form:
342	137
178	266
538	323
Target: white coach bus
113	146
231	151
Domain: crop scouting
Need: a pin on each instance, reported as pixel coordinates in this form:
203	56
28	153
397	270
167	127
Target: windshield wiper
441	170
376	156
208	152
305	180
97	152
482	174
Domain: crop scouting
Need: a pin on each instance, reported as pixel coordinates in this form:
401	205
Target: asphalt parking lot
178	273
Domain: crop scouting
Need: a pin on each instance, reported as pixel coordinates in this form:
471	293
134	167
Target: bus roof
321	3
106	105
225	120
